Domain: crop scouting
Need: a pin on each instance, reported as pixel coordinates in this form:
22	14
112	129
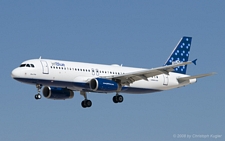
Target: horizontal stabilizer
194	61
182	79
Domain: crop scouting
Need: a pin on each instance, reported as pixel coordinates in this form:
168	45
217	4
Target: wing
128	78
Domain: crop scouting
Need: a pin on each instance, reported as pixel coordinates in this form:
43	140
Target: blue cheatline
180	54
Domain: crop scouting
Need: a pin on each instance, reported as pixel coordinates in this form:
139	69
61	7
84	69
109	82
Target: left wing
128	78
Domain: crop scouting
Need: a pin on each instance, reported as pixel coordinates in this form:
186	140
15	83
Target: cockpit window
22	65
27	65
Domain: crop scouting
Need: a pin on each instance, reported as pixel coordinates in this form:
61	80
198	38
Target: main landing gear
85	103
118	98
38	96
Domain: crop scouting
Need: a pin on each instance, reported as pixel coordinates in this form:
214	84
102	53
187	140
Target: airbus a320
59	79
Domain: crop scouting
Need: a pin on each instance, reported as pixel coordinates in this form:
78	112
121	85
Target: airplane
60	79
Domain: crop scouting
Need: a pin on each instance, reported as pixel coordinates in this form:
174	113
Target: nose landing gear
38	96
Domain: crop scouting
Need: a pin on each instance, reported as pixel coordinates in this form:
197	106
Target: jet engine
57	93
103	85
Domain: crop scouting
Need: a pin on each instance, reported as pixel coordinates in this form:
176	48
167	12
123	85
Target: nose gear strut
38	95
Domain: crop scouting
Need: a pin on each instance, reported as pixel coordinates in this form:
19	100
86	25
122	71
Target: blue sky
132	33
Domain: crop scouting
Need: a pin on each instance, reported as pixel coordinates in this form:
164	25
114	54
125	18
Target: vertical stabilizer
180	54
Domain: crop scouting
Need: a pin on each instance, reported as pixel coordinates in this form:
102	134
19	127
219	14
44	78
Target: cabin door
165	79
45	69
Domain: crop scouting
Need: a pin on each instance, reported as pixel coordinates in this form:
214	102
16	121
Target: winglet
194	61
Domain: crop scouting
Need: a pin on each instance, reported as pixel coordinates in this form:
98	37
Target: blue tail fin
180	54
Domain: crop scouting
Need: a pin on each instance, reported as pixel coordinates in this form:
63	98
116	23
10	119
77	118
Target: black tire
115	99
88	103
120	98
37	96
83	104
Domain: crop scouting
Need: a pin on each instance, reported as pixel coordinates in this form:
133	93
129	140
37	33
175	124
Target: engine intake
103	85
57	93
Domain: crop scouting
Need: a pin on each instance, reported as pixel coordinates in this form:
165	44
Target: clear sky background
132	33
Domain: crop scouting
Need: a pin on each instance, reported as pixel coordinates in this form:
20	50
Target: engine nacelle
103	85
57	93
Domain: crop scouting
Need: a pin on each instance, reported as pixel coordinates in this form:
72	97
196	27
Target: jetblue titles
58	64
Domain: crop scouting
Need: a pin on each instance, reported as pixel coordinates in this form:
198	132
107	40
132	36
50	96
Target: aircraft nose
14	73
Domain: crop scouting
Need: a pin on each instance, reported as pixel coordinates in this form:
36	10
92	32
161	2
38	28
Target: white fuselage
75	75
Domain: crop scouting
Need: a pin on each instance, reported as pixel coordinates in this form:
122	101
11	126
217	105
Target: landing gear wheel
115	99
86	103
118	99
83	104
37	96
